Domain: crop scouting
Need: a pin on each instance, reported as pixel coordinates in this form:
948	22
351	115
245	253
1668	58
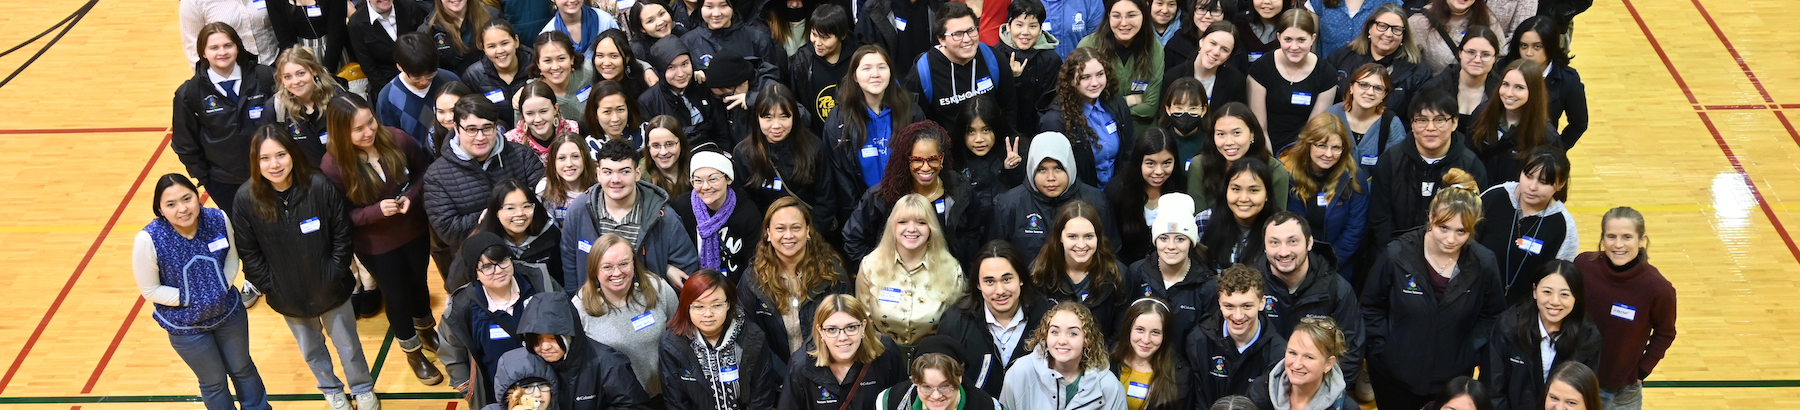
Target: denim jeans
220	354
1631	397
340	324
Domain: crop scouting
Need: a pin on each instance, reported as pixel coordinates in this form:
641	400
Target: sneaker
367	401
337	401
249	295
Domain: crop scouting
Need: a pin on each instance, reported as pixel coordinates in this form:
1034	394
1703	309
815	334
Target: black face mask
1187	125
794	15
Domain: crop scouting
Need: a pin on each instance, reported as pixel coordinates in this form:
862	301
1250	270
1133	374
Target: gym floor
1689	103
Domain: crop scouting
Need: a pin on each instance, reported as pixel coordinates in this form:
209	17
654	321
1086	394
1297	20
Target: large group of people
980	204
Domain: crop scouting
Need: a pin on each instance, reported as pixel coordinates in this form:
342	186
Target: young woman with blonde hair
1067	367
910	277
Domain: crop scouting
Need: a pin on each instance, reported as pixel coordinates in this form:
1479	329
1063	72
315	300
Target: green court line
380	358
1675	384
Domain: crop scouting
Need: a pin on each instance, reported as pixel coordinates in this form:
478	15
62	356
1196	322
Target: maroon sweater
373	233
1630	347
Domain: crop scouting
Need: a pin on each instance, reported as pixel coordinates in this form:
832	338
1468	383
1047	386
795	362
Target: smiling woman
911	276
846	351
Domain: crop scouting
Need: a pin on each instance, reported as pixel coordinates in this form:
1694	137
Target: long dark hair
897	176
490	218
1576	328
1438	13
1162	380
1530	132
556	190
1068	99
804	146
983	108
633	78
1548	31
1136	54
855	111
453	88
1222	229
1212	162
1552	167
1467	386
360	187
262	192
1130	200
998	248
1103	269
590	117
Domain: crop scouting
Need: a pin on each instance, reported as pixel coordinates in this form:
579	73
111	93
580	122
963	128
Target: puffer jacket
593	376
515	368
211	133
457	187
685	388
959	215
662	240
301	259
1032	385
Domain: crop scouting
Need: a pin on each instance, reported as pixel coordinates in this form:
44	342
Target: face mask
1186	125
795	15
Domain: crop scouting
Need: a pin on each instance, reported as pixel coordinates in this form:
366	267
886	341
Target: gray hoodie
1276	385
662	240
1030	384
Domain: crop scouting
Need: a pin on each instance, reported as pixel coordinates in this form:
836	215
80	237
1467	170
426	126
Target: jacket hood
517	366
665	51
1052	145
552	313
1326	398
1045	40
1090	382
456	149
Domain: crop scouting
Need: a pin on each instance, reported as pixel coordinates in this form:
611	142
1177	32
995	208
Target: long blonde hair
1093	345
1320	130
287	105
879	266
818	262
871	346
643	284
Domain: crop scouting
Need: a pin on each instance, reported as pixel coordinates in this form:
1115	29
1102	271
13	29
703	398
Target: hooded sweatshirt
692	106
1031	384
1039	79
591	375
1524	243
517	367
953	85
1271	392
814	81
662	241
1023	215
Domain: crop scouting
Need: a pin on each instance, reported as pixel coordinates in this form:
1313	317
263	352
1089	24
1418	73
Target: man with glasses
624	204
947	76
1404	180
589	375
457	185
481	321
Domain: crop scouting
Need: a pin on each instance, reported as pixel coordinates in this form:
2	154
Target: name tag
643	321
729	374
1139	86
1045	27
496	95
1322	201
309	226
775	184
1137	390
1188	166
899	23
256	112
1112	128
313	11
1530	244
1624	311
1368	160
324	137
496	333
984	84
890	295
1425	188
1300	98
939	205
218	244
583	94
1255	56
584	245
870	152
258	5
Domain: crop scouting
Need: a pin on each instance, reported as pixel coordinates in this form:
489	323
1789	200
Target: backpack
924	68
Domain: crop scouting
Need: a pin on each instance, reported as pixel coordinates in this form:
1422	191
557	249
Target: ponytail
1458	197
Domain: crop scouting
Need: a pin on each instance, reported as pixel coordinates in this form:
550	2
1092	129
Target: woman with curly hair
1067	367
1090	112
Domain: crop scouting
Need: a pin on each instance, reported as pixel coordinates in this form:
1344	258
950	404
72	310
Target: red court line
1789	126
82	130
120	336
1654	45
1728	47
1739	107
451	406
60	297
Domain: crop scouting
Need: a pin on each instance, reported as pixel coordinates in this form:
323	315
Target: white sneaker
249	295
337	401
367	401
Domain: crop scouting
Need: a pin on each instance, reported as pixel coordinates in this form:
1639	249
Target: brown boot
421	366
427	332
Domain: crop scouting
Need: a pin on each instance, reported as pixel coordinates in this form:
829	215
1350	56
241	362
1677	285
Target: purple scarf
708	225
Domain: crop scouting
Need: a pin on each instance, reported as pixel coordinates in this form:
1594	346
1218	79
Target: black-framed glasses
487	130
852	329
535	387
964	35
494	269
1381	27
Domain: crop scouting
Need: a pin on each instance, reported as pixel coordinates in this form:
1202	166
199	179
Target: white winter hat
709	159
1175	214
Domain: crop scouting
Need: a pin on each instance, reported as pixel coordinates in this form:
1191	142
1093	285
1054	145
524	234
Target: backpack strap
1381	142
993	65
923	67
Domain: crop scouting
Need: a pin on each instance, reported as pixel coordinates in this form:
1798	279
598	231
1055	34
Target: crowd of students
1024	204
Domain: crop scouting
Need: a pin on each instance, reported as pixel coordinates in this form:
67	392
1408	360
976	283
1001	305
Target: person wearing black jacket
1211	64
1031	54
1235	343
723	29
680	95
218	109
814	69
991	325
590	375
1528	224
321	25
902	27
1432	299
1023	214
503	70
987	152
845	362
1076	248
293	236
457	33
1513	368
373	30
1404	180
1303	284
1391	47
959	69
516	214
794	268
1537	40
519	368
471	164
1173	270
733	218
924	148
1102	132
711	353
778	147
476	332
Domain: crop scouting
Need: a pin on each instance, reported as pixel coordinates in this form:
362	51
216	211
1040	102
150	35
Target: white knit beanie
709	159
1175	214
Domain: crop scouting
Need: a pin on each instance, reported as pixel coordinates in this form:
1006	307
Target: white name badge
775	184
1045	27
309	226
1624	311
496	333
1189	166
729	374
1300	98
584	245
1139	86
258	5
1137	390
218	244
1255	56
870	152
1112	128
583	94
324	137
939	204
496	95
643	321
314	11
900	23
984	84
1425	188
256	112
890	295
1322	201
1529	244
1369	160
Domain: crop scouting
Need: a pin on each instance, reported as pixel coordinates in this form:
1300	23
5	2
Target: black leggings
1390	393
401	275
223	194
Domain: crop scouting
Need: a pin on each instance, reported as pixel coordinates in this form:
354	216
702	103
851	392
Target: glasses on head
714	180
926	391
852	329
1478	55
494	269
1438	121
715	308
964	35
1368	86
1381	27
536	387
485	130
1321	323
934	160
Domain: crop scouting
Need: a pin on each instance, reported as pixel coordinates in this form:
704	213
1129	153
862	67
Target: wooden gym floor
1691	123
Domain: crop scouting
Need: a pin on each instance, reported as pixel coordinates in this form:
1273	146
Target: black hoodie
1322	293
1404	315
517	367
590	375
685	104
1219	370
1398	196
953	85
814	81
812	387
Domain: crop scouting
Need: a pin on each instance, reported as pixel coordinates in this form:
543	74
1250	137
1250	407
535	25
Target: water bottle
1079	26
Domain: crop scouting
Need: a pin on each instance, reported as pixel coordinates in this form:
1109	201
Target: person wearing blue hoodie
1072	19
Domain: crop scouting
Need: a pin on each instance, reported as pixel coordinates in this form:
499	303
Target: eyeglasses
1335	149
494	269
934	160
927	391
535	388
715	308
708	181
852	329
1211	13
1389	28
1367	86
1320	322
1438	121
964	35
610	268
488	130
665	145
1190	111
1478	55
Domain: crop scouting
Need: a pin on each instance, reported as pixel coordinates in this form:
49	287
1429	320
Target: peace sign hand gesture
1012	153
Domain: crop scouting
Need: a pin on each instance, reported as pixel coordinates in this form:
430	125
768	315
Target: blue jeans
1630	397
340	324
220	354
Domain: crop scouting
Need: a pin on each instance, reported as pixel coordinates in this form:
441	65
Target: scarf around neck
709	225
715	360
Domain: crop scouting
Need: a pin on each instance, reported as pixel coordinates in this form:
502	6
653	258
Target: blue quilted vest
196	267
